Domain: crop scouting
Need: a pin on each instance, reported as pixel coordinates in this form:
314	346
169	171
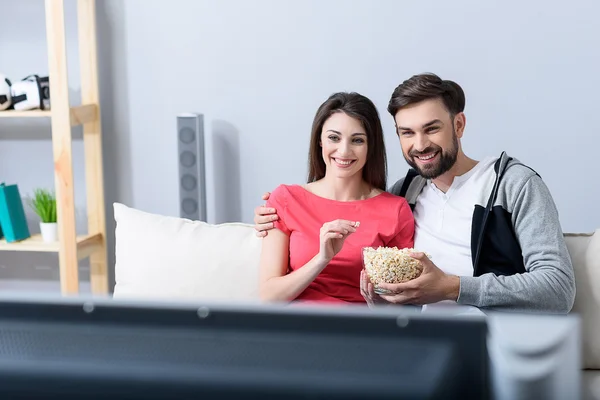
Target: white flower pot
49	231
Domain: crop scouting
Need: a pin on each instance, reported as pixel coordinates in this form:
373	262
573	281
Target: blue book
12	214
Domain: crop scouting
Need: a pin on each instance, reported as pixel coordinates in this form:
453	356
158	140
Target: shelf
86	245
79	114
62	118
25	114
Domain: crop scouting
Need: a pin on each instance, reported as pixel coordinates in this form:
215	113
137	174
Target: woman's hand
333	235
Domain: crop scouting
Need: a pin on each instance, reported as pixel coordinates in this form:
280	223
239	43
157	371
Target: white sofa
160	257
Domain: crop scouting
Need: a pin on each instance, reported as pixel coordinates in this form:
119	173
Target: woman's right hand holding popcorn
333	235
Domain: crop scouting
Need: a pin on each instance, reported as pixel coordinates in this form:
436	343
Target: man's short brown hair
424	87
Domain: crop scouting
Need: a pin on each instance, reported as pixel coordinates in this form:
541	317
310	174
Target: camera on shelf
30	93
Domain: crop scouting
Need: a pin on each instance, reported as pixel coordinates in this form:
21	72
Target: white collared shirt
443	220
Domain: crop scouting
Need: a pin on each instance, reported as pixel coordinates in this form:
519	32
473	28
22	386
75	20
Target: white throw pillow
585	255
162	257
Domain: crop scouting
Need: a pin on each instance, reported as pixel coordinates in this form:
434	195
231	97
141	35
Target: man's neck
462	165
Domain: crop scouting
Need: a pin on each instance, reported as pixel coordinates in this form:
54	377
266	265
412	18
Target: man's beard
447	159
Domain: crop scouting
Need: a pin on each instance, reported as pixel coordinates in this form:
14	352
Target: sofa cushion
173	258
585	255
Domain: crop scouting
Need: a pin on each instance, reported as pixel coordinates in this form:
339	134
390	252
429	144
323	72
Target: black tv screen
69	348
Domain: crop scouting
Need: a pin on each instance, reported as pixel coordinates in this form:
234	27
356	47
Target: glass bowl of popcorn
390	265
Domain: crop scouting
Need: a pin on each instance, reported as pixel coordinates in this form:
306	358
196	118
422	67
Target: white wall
258	71
263	67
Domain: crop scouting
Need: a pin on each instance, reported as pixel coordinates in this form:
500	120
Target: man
491	226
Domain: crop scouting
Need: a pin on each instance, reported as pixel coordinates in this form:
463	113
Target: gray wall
258	70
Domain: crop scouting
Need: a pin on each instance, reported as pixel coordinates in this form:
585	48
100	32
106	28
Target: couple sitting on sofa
491	226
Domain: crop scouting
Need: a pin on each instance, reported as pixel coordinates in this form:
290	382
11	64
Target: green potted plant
44	205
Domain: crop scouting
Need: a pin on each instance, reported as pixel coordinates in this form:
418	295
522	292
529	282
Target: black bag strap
37	78
19	98
410	175
3	97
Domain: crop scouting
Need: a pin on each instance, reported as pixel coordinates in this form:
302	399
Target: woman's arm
275	283
278	285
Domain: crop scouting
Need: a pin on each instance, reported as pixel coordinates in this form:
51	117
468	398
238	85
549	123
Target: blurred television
77	348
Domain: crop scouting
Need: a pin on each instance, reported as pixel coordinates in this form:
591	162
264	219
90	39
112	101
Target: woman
315	252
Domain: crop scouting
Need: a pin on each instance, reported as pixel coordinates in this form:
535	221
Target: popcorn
390	264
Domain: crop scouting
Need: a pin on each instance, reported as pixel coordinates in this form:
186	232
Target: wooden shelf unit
70	247
78	115
24	114
86	244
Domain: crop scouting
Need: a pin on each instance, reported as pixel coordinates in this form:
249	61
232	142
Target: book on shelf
13	223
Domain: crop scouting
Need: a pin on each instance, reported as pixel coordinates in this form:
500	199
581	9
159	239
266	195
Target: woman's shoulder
390	204
394	212
286	190
286	194
392	199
